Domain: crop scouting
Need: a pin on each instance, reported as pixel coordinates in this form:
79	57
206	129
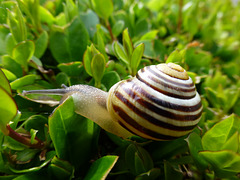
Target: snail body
159	103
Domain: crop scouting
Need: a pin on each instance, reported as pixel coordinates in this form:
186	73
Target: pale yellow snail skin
159	103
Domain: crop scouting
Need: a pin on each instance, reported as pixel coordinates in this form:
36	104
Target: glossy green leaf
73	40
87	59
224	163
9	75
41	44
72	135
127	43
23	52
61	169
110	78
136	58
100	8
101	168
195	146
72	69
98	67
25	80
4	83
10	43
17	26
216	138
118	28
46	16
120	53
101	44
12	65
8	109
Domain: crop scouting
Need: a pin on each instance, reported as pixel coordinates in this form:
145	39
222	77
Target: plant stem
180	16
24	140
110	30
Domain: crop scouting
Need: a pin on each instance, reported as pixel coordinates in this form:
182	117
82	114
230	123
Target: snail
159	103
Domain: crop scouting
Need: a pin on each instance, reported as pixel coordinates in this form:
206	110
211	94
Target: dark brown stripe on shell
167	86
158	122
132	87
138	127
148	68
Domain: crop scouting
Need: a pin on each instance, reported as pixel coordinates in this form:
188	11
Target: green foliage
44	44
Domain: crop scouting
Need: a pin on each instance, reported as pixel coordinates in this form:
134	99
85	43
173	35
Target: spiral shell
159	103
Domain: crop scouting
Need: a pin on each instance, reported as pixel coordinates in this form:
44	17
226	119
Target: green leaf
101	44
17	26
62	78
24	81
101	168
49	156
195	146
175	57
172	172
100	8
37	122
46	16
118	28
72	69
9	75
98	67
73	40
136	58
71	10
8	109
150	35
120	53
33	134
61	169
138	159
225	163
72	135
232	143
10	43
127	43
26	155
87	59
4	83
216	138
110	78
23	52
41	44
12	65
90	20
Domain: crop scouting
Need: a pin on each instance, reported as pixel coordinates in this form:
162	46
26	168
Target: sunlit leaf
101	168
4	83
100	8
26	80
8	109
225	163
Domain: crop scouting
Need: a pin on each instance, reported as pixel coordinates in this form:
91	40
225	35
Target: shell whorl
159	103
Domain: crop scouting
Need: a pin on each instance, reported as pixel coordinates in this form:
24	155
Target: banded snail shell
159	103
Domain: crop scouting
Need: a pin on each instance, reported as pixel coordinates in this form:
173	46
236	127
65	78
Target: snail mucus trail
159	103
